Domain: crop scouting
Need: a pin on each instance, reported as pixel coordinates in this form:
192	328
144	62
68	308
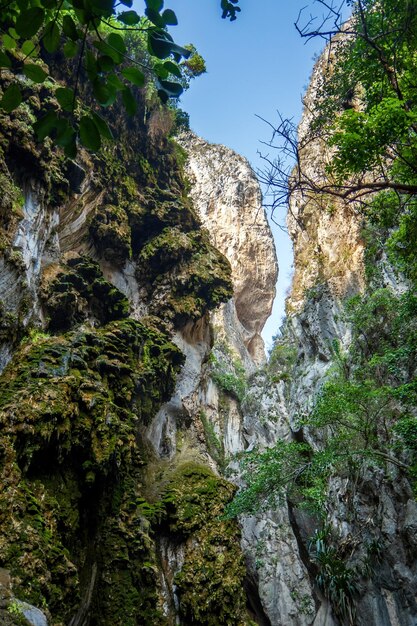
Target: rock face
376	508
110	503
135	284
228	199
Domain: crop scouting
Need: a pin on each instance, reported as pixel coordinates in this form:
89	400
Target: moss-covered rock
71	408
210	583
75	527
187	276
78	291
110	232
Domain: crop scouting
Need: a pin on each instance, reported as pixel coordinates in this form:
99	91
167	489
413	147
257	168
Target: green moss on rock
128	576
78	292
210	583
159	209
71	408
110	232
198	280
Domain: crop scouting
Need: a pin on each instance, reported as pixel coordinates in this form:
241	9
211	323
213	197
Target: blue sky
256	65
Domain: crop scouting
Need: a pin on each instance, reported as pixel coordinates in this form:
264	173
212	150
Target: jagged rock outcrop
369	514
228	199
110	500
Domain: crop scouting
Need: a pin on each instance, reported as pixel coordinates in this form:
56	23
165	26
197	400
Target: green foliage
214	443
229	374
282	359
402	244
364	107
269	474
337	581
96	38
361	416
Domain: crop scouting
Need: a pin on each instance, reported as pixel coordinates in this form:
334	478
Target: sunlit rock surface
227	196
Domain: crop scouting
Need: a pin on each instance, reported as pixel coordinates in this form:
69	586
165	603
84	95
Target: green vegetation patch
210	583
71	408
78	292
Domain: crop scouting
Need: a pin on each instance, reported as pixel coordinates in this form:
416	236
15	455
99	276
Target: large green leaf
159	45
163	96
69	27
173	89
65	97
104	92
129	101
49	4
155	18
115	82
11	99
29	22
116	42
30	49
71	148
91	65
64	133
130	18
135	76
169	18
105	63
4	60
107	50
34	72
156	5
162	45
172	68
45	125
180	51
89	134
160	70
102	126
8	43
52	37
101	8
70	49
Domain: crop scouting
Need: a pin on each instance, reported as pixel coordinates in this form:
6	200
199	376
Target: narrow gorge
143	430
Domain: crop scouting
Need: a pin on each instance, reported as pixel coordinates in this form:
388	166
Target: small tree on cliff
364	112
90	38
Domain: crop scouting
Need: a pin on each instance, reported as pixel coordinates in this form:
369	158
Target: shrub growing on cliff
363	416
363	108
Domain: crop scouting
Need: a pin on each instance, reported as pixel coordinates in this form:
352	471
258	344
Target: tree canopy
364	110
108	42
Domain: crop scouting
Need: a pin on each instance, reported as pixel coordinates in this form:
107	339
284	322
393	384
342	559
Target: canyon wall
134	287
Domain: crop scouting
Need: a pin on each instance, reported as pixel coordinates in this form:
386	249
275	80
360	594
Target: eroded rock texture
369	514
227	196
134	286
111	502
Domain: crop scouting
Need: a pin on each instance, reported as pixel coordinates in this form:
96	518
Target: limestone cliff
227	196
114	432
134	286
360	567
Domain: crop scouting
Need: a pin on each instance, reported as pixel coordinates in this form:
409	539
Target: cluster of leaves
372	83
335	578
93	36
364	108
364	414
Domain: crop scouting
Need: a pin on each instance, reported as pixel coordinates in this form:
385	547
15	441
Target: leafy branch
34	34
